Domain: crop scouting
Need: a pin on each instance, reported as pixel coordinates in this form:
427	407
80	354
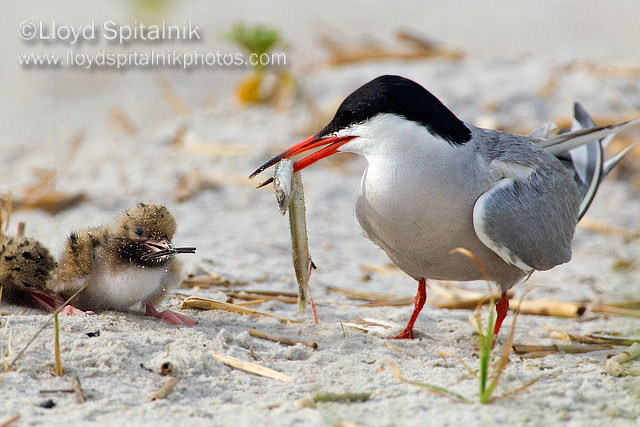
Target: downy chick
114	260
25	268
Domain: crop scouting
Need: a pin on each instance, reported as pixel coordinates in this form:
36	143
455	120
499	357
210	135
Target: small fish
283	184
299	241
290	196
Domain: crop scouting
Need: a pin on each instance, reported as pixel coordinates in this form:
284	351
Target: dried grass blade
209	304
542	307
608	309
467	303
559	348
360	295
56	327
252	368
431	387
395	302
282	340
9	421
605	339
520	389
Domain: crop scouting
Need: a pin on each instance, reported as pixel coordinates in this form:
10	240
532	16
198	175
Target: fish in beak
329	146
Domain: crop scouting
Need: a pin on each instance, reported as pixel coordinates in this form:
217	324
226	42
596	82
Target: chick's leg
169	316
52	302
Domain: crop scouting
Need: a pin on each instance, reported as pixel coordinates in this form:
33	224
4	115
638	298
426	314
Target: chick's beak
329	146
158	245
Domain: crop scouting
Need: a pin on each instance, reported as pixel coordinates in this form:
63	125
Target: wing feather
528	220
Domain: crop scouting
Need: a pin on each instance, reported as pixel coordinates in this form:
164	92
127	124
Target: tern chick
434	183
117	262
25	268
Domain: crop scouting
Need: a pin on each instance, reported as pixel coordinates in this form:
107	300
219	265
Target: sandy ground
240	235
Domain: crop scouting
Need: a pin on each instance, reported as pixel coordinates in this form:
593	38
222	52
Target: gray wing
529	214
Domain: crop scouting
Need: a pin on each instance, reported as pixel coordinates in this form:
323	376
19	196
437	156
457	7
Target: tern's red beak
329	146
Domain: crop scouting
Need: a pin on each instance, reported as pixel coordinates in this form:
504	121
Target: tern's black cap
401	96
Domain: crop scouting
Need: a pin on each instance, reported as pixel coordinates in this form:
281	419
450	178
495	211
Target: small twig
165	389
604	339
559	348
394	302
553	308
33	338
248	294
252	368
613	366
81	397
209	304
12	419
282	340
210	279
251	295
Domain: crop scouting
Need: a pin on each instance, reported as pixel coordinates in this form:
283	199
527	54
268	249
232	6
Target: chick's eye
139	231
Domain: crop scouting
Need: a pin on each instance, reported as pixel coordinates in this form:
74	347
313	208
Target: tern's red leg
502	307
418	303
169	316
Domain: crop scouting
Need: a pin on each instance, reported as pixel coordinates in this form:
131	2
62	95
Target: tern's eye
139	231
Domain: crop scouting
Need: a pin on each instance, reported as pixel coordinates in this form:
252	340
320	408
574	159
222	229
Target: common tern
434	183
